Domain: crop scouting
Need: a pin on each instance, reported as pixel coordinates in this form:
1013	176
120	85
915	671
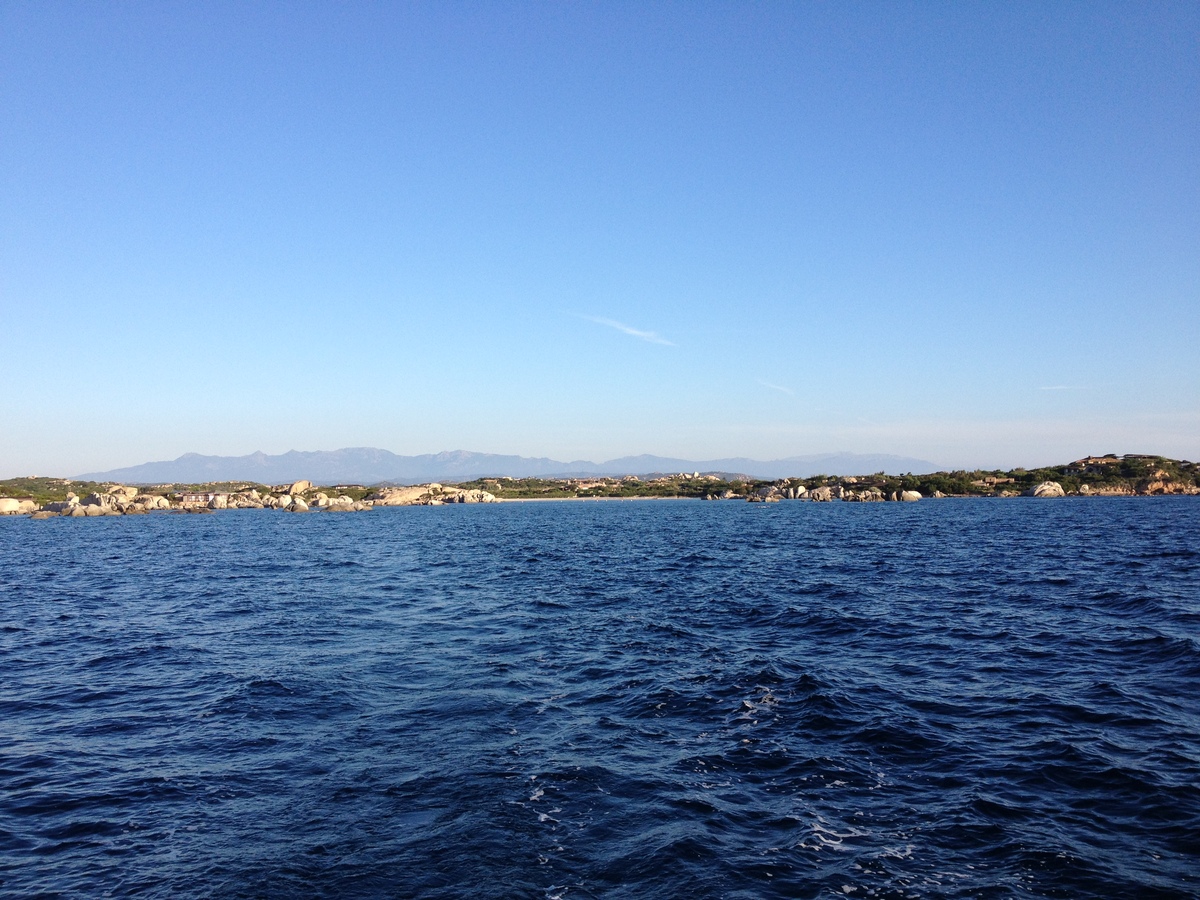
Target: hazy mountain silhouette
368	465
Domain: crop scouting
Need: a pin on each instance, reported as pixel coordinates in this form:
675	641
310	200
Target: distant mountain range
368	465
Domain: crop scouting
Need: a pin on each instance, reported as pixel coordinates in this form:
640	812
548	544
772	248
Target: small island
1094	476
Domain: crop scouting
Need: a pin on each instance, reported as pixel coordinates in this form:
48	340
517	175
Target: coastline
587	499
104	509
1108	476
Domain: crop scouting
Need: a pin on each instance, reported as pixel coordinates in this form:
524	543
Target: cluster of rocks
13	507
869	495
851	492
427	495
1159	484
1150	489
118	500
773	493
302	496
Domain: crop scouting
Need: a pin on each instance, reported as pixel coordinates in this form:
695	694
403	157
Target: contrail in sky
777	387
633	332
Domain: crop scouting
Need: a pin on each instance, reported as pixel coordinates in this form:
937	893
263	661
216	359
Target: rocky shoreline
299	497
303	497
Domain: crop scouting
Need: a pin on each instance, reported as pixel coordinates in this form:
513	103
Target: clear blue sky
968	232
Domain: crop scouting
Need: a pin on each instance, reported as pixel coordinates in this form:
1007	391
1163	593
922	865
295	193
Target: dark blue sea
957	698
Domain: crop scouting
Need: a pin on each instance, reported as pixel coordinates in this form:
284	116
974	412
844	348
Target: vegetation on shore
1106	474
51	490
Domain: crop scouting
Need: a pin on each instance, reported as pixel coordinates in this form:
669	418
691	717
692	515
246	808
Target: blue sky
966	232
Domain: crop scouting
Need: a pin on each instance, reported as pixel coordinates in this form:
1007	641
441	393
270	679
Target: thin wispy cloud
777	387
649	336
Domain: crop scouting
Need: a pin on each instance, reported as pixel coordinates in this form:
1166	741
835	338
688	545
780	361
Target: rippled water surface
623	699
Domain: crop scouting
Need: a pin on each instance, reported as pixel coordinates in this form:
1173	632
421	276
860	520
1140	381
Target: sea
637	699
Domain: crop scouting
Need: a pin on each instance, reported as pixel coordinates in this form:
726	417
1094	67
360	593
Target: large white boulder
1046	489
399	496
910	495
300	487
9	506
153	501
